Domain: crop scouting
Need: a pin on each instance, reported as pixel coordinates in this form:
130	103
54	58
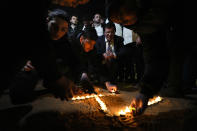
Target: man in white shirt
97	24
119	28
131	42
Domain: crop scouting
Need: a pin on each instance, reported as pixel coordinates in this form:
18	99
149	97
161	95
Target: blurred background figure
73	28
86	22
97	24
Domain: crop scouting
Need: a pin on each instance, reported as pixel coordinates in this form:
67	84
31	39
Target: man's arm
44	61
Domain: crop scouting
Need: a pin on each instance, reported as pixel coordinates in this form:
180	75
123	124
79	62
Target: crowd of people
82	55
100	49
132	63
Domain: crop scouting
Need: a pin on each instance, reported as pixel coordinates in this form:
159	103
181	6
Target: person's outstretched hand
139	103
110	87
28	66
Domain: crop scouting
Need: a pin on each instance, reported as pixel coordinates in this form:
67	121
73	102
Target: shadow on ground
52	121
10	117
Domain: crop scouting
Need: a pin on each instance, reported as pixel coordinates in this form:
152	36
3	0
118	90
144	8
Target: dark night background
88	9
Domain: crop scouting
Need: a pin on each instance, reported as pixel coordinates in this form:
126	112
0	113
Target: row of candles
150	102
122	112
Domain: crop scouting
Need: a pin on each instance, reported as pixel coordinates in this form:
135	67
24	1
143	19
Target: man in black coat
73	28
43	58
88	59
162	49
109	46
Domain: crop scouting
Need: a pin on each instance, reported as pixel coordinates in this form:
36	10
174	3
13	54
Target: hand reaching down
28	66
110	87
139	103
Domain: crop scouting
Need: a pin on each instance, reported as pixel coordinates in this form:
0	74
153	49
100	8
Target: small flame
78	98
83	97
150	102
126	110
122	112
73	99
87	97
100	95
154	100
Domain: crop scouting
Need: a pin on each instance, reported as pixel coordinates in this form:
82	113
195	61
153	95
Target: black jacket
72	33
28	40
87	61
101	45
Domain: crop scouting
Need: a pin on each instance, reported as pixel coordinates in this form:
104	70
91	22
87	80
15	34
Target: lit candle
87	96
82	97
122	113
73	98
127	110
78	98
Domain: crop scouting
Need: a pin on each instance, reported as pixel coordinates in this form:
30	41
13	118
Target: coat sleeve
98	46
43	58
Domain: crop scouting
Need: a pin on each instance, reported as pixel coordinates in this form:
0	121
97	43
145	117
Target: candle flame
150	102
154	100
127	110
122	112
87	97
